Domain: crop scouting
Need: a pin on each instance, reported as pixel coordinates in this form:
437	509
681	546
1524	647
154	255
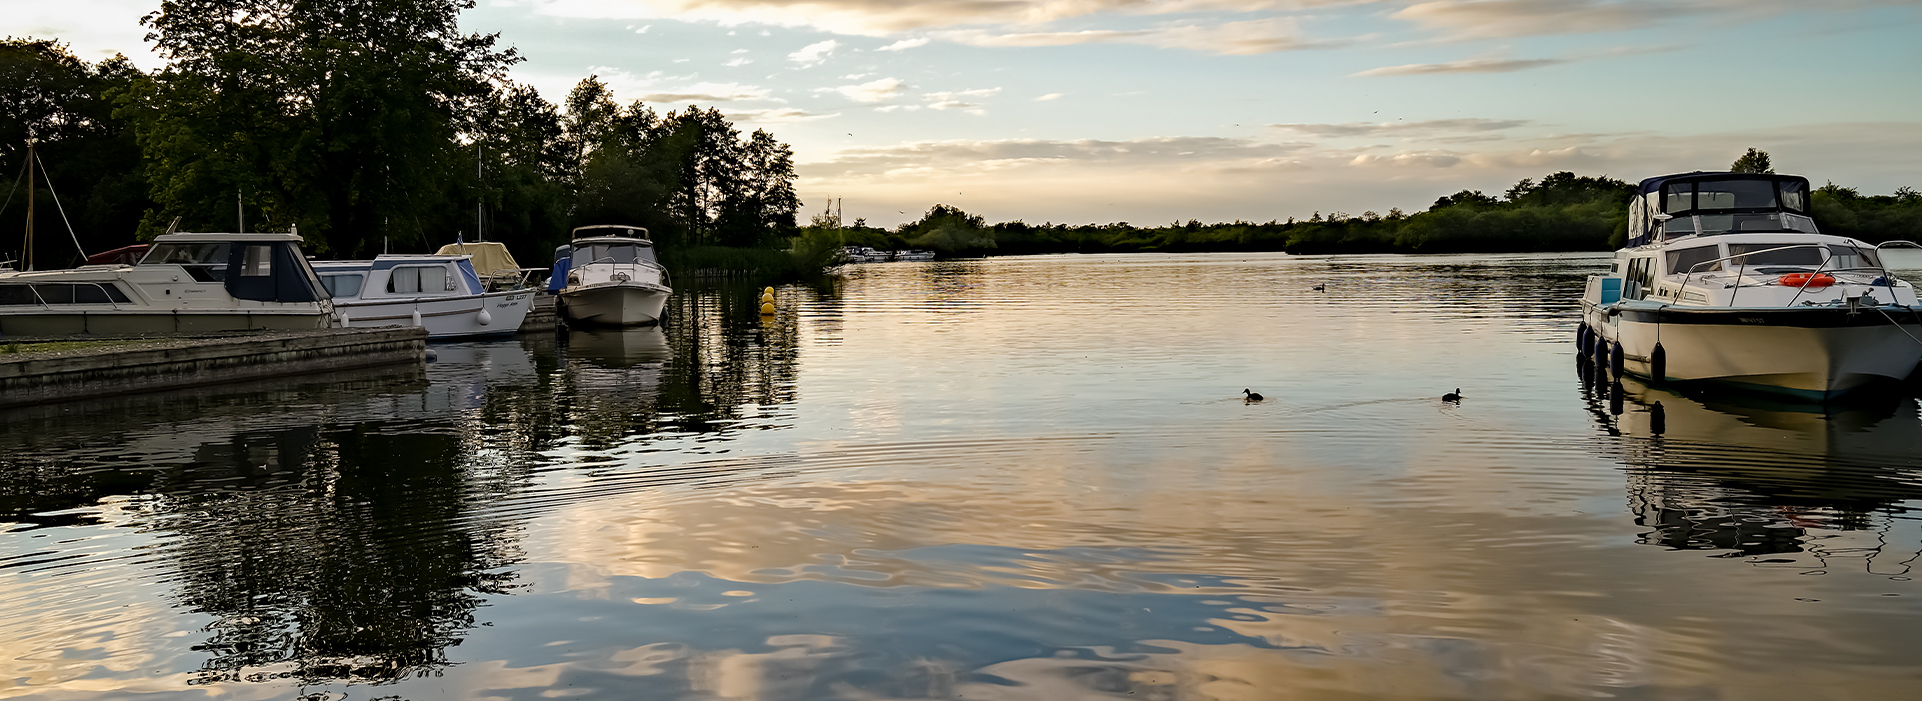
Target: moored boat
609	276
186	283
441	293
1726	278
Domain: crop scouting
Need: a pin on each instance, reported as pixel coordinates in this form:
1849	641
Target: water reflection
1749	476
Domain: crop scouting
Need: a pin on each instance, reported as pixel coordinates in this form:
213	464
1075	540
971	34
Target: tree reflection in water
340	528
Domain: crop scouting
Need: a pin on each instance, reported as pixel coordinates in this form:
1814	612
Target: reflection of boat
609	276
1744	473
186	283
438	292
619	348
1726	278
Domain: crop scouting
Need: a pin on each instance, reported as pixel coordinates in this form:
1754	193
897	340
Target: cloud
1242	38
1426	127
738	61
1470	66
1049	96
879	18
783	115
1484	19
708	92
1001	153
658	87
905	44
814	53
871	91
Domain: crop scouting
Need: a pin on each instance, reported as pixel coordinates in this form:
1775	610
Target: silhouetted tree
1755	161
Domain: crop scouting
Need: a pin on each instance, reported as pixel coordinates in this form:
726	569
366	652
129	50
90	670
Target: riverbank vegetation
1561	212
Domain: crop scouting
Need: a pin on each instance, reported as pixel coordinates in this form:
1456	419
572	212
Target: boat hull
1814	354
444	318
114	322
613	304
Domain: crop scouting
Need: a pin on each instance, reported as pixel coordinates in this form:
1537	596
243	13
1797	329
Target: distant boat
440	293
913	255
186	283
863	254
1727	279
609	276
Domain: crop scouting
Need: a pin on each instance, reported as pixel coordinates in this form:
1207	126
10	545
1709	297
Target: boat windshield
187	254
585	254
1840	257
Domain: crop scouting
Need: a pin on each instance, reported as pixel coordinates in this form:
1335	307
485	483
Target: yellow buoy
767	308
769	292
767	299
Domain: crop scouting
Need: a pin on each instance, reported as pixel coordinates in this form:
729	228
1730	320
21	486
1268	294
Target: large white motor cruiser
1726	278
609	276
441	293
187	283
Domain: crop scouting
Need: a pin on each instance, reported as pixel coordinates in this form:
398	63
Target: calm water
1019	478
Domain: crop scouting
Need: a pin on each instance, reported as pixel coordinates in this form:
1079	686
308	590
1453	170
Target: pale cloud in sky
814	53
1428	127
1049	96
871	91
1469	66
1241	38
905	44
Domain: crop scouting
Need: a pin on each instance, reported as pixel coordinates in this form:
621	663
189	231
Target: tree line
1561	212
365	124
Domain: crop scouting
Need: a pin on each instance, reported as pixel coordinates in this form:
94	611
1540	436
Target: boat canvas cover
489	256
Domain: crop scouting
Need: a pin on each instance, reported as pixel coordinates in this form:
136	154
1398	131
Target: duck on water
1726	278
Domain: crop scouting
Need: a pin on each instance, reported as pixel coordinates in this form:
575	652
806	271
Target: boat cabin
607	244
258	267
1703	204
398	276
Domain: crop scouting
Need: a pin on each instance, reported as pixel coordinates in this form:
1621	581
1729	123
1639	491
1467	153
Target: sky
1158	111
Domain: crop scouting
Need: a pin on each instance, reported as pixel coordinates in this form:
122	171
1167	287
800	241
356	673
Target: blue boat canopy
1702	203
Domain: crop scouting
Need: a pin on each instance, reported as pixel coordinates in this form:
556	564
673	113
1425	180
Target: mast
29	257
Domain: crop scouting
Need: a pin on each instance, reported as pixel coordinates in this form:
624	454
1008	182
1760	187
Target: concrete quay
30	378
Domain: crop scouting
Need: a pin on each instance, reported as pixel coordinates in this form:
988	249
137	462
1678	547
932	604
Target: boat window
1635	284
1795	195
1735	194
1680	197
1681	262
612	253
257	261
419	279
1848	257
62	293
1763	254
343	285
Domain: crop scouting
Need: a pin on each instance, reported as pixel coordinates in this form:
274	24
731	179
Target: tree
1755	161
340	117
90	160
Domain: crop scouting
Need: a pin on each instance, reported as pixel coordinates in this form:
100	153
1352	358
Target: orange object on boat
1807	280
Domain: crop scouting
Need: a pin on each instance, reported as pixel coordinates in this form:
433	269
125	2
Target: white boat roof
600	230
224	238
614	239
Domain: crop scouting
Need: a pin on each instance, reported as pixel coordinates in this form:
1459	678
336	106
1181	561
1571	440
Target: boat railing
1827	257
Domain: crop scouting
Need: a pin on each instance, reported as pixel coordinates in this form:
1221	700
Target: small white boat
440	293
1727	279
186	283
609	276
863	254
913	255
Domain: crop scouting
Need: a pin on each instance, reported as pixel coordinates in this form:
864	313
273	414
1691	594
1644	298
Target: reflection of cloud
1472	66
1431	126
871	91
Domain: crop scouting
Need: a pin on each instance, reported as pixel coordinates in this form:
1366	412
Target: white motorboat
863	254
441	293
609	276
1727	279
186	283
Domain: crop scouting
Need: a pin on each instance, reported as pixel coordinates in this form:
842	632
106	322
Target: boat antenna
480	235
173	225
240	212
62	209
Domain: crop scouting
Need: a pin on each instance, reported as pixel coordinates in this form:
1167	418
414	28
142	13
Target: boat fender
1615	360
1658	364
1581	338
417	317
432	356
484	318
